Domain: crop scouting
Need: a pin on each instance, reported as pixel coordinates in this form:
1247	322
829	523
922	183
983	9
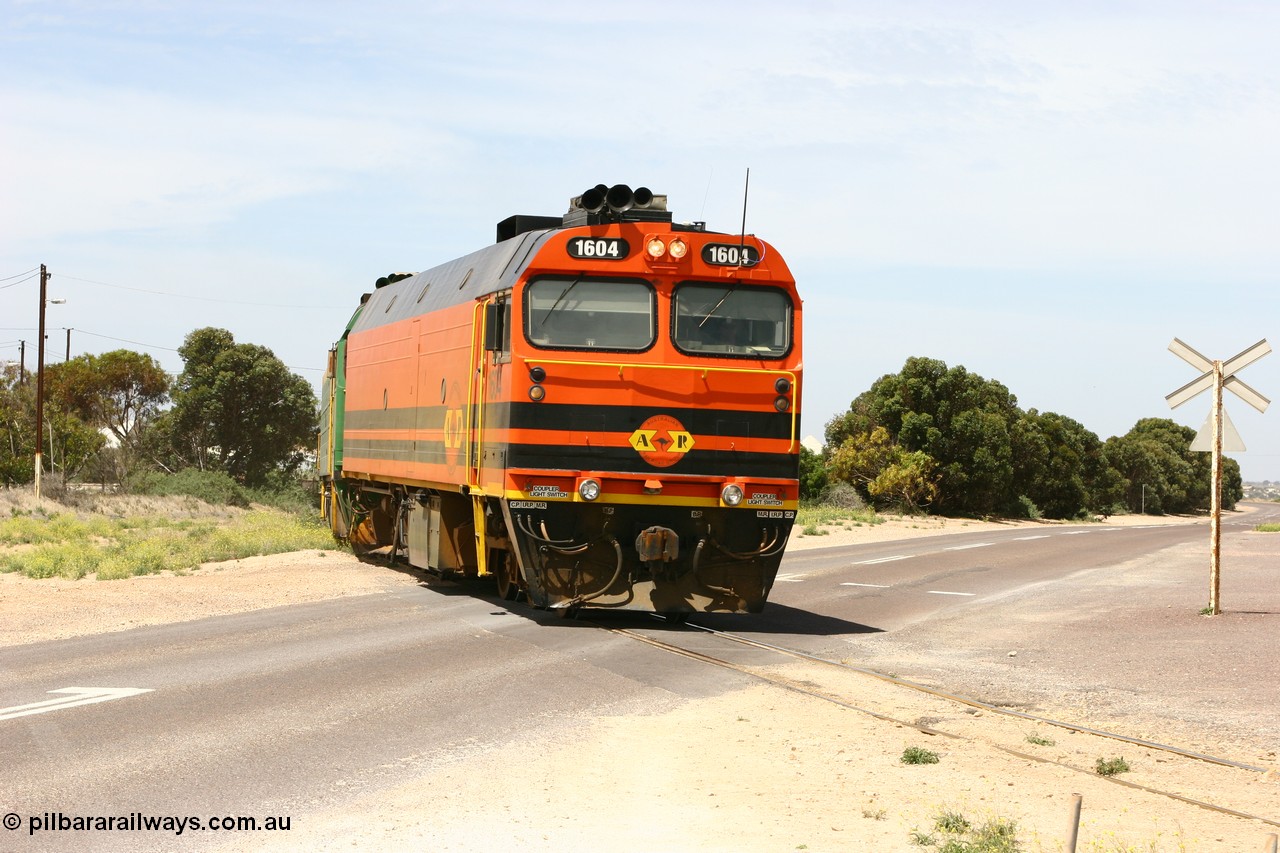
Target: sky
1046	194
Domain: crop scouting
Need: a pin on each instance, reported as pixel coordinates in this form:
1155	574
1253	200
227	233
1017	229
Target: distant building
1264	491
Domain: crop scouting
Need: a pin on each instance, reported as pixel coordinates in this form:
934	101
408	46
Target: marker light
537	374
782	386
536	393
781	404
678	249
731	494
589	489
656	248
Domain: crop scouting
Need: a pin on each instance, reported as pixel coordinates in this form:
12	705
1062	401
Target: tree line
941	439
110	418
928	438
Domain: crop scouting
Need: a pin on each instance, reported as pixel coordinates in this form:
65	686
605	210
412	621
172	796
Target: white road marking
1029	538
883	560
943	592
967	547
79	696
1076	532
872	585
788	579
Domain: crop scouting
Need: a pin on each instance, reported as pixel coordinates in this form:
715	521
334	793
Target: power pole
44	286
67	357
22	362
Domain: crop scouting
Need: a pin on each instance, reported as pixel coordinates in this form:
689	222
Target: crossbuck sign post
1217	375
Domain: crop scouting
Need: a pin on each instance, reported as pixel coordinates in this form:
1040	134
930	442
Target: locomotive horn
593	199
619	198
643	196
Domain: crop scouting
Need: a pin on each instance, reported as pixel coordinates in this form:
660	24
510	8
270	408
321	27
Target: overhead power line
28	278
197	298
125	341
19	275
168	349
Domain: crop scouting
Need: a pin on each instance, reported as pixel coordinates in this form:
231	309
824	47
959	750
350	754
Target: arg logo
662	441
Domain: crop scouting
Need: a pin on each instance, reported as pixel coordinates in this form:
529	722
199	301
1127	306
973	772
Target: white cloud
114	160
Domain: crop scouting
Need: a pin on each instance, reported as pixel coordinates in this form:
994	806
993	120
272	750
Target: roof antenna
742	239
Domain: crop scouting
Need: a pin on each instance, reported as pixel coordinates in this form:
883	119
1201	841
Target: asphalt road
291	710
888	586
285	711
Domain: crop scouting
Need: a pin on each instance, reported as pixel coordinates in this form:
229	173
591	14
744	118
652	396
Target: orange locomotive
601	409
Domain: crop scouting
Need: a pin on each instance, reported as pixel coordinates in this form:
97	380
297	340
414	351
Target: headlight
678	249
731	494
656	248
589	490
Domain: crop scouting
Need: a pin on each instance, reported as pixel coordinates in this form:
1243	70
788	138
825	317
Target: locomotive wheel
506	573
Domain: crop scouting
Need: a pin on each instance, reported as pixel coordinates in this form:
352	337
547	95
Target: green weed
959	835
1110	766
918	755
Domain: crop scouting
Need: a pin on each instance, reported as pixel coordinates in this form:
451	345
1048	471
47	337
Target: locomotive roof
488	270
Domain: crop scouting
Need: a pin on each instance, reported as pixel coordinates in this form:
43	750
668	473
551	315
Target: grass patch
954	833
813	517
1039	740
1268	528
918	755
821	515
70	546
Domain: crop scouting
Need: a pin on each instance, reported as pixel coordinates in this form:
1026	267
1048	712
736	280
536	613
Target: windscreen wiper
560	299
716	307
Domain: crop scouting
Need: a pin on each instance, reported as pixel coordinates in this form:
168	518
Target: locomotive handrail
473	482
476	328
703	368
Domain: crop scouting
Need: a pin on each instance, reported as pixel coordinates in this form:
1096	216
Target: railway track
1184	776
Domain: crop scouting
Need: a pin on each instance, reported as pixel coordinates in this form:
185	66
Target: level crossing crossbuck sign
1217	375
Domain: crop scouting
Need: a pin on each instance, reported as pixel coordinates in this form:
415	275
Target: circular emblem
662	441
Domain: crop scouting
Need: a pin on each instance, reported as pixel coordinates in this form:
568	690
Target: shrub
1111	766
212	487
918	755
842	495
1028	508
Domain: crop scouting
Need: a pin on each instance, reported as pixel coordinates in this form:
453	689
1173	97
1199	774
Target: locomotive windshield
727	319
577	312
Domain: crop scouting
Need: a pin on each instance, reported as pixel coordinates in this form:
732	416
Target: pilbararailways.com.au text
139	822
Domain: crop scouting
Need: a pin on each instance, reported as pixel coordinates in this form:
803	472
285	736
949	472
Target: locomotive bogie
667	558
